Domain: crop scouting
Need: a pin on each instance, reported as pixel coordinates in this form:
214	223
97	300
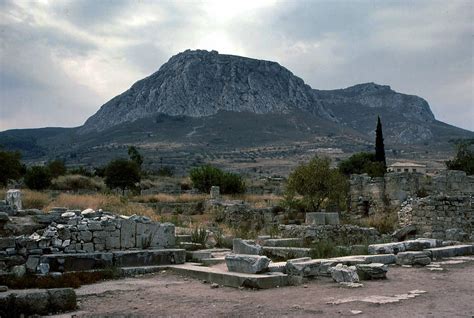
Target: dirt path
449	293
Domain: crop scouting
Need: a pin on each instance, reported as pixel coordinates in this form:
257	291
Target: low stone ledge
450	251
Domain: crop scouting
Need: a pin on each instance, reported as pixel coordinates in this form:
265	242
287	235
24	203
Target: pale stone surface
372	271
215	193
251	264
413	258
14	199
388	248
305	267
248	247
342	273
127	234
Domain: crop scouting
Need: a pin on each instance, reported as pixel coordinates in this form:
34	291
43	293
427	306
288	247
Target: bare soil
449	293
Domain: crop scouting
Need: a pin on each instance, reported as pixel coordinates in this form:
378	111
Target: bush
464	159
10	166
77	182
317	185
57	168
204	177
82	171
362	162
38	178
123	174
199	236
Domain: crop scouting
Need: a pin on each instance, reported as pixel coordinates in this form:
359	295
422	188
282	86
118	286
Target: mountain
201	83
204	106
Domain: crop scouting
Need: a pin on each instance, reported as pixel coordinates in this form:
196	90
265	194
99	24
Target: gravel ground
448	293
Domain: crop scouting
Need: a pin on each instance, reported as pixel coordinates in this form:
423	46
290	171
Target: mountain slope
200	83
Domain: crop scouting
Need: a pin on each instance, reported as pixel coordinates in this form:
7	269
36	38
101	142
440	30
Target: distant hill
204	102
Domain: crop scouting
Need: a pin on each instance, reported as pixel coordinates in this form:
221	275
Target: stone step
207	253
98	260
450	251
212	261
283	242
410	245
232	279
286	252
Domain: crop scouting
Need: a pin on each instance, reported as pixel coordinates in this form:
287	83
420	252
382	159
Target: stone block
127	234
315	218
4	217
88	247
94	226
387	248
77	261
344	274
248	247
331	218
413	258
31	263
62	299
164	237
30	303
149	257
7	242
13	199
250	264
112	243
304	267
372	271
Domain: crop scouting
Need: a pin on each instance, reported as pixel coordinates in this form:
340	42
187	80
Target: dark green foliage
81	170
204	177
317	185
10	166
38	178
123	174
135	156
57	168
199	236
362	162
464	159
379	145
165	172
99	172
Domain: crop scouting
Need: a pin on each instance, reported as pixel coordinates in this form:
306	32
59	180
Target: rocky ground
413	292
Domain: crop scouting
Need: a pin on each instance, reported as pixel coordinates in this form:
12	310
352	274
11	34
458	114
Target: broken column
14	199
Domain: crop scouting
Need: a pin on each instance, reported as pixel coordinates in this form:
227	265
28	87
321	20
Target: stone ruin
438	206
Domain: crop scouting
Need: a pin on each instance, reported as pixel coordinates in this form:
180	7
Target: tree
362	162
57	168
204	177
464	159
135	156
379	145
318	185
38	178
123	174
10	166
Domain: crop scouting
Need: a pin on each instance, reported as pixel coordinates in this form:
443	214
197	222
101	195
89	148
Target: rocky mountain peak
201	83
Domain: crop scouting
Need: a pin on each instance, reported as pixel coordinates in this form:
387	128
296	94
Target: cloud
60	60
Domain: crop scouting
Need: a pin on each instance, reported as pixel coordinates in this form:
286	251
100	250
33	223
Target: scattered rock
214	285
342	273
372	271
3	289
413	258
251	264
247	247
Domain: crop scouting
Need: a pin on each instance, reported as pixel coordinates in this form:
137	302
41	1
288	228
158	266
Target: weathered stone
164	237
413	258
127	234
90	213
342	273
4	217
215	193
150	257
388	248
248	247
251	264
450	251
94	226
32	302
31	263
62	299
85	236
372	271
7	242
304	267
68	214
402	233
14	199
112	243
3	288
88	247
315	218
19	270
43	268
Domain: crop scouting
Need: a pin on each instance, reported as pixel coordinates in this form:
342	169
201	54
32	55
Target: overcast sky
61	60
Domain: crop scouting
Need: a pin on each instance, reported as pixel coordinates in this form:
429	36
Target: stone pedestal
14	199
322	218
215	193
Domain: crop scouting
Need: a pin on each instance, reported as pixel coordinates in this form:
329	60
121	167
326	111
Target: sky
61	60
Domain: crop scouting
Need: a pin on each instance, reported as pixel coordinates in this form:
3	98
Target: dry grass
34	199
385	223
78	182
162	197
258	200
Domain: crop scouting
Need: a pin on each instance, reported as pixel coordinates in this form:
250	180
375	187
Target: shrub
362	162
123	174
57	168
385	223
80	170
199	235
165	172
464	159
204	177
38	178
318	186
77	182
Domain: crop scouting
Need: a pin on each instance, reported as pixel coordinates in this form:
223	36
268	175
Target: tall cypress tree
379	146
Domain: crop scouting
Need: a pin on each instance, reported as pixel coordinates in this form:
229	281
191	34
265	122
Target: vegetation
123	174
10	166
135	156
38	178
317	185
57	168
199	236
385	223
464	159
77	182
362	162
326	249
379	145
204	177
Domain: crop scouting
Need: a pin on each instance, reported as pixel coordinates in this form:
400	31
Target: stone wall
338	234
70	231
441	217
370	196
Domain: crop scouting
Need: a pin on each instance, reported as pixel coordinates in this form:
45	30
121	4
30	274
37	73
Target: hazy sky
61	60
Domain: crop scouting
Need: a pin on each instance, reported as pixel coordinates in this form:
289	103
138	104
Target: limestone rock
62	299
19	270
342	273
68	214
246	247
14	199
372	271
251	264
413	258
